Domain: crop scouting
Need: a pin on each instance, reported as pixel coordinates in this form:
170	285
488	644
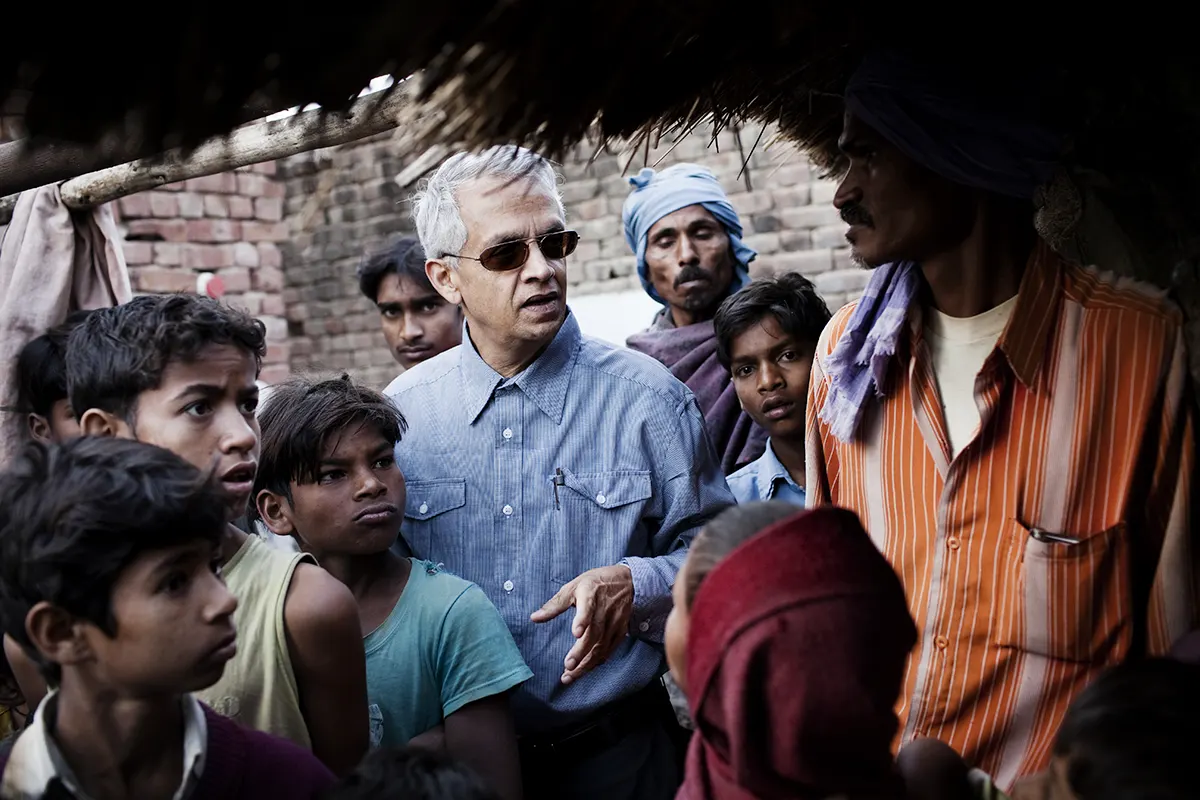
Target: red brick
137	253
191	205
334	325
221	183
269	255
250	303
168	254
251	185
174	230
135	205
163	205
161	280
245	254
269	208
266	168
274	373
240	207
272	304
268	279
212	230
263	231
172	187
275	188
217	205
207	256
237	279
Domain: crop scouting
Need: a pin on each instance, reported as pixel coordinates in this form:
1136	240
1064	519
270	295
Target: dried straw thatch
551	74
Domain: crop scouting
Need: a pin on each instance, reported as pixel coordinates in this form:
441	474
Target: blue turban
655	195
947	129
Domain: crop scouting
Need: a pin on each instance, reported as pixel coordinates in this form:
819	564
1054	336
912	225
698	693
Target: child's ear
39	428
274	512
95	422
56	634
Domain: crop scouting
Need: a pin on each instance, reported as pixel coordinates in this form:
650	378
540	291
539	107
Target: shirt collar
1025	338
545	381
36	761
770	470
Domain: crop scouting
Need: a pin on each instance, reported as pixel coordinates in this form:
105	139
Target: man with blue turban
690	256
1016	431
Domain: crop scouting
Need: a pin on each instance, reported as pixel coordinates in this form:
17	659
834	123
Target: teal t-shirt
443	646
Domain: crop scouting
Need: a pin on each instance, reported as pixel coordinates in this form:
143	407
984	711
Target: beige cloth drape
52	261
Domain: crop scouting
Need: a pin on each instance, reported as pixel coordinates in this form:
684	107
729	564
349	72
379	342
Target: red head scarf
796	653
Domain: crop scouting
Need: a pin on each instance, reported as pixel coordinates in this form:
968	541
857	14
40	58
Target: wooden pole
249	144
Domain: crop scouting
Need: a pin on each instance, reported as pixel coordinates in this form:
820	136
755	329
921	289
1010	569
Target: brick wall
229	225
342	203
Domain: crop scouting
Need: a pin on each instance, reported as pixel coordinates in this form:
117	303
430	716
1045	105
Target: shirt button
600	498
507	511
424	507
645	626
508	433
508	586
941	642
952	543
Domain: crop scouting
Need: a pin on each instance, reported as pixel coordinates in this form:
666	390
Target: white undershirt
959	346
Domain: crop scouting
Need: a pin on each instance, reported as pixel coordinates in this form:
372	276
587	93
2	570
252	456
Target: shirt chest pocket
432	519
1064	596
599	520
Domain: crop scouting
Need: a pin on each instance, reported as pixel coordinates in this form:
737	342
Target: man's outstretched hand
603	600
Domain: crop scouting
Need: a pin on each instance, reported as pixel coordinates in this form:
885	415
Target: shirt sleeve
477	656
1174	608
694	491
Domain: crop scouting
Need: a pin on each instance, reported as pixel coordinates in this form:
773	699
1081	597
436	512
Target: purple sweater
242	764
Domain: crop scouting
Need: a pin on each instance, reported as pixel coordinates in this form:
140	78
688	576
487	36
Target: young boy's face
203	411
357	504
770	370
174	624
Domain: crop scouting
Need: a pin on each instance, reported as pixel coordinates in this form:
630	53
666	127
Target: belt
600	732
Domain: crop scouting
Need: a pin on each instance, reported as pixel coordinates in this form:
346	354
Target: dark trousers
644	765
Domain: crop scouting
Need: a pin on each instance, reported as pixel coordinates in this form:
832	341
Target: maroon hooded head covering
796	653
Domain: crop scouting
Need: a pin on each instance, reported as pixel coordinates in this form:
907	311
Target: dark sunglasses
511	255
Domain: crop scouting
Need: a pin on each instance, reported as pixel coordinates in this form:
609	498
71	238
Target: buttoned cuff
651	599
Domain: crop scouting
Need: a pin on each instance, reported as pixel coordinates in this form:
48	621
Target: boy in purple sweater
110	581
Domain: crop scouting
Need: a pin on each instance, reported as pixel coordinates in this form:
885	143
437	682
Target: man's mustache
692	272
855	214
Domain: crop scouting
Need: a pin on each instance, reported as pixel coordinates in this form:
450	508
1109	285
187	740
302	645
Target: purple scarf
858	364
691	355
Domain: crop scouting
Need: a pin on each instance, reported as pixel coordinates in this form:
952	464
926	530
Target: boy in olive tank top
440	659
179	371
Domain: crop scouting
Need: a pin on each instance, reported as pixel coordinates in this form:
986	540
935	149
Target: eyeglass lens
510	255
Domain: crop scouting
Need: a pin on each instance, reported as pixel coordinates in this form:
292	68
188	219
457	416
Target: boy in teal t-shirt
440	660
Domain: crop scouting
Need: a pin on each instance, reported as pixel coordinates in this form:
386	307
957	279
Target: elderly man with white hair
555	471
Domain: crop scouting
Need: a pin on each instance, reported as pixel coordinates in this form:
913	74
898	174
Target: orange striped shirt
1087	432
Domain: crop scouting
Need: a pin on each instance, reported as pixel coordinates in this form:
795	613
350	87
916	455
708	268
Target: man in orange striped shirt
1017	432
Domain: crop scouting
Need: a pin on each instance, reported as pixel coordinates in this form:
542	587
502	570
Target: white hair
435	205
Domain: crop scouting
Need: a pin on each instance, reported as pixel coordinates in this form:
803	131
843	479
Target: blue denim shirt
765	479
592	456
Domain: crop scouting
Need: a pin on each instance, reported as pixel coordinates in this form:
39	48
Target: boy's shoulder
433	588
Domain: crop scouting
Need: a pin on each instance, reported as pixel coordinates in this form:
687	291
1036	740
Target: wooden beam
248	144
23	167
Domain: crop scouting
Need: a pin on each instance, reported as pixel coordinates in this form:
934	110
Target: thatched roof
542	73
